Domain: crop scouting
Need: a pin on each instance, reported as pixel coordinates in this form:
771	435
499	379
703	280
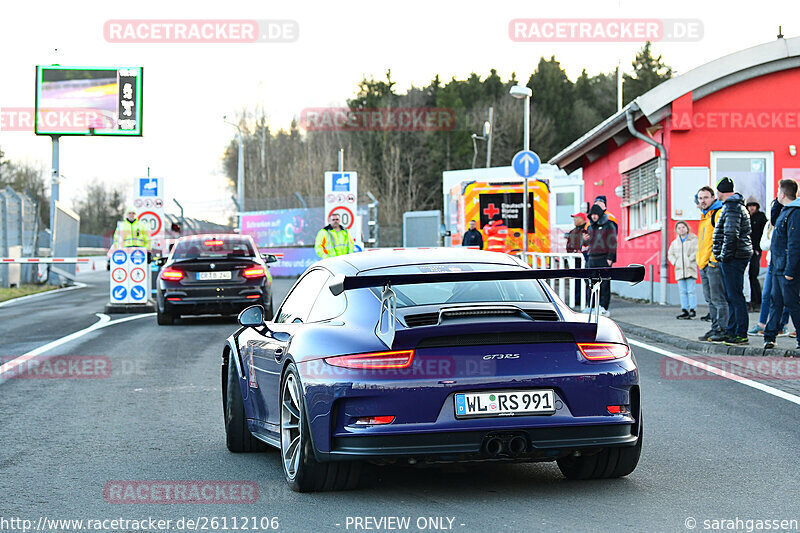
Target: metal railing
573	292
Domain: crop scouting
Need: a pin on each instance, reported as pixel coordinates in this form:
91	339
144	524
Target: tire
268	309
609	463
302	471
237	435
164	319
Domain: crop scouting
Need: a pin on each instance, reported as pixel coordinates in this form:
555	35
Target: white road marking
103	322
719	372
77	285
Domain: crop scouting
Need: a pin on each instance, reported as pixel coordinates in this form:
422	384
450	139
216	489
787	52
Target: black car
213	274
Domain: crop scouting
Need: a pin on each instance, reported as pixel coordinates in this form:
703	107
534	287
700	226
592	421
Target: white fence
572	291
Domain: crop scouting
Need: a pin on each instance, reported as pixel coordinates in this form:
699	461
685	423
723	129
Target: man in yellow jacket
710	272
132	231
333	240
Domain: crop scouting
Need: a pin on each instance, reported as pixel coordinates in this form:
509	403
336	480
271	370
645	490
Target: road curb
703	347
27	297
116	309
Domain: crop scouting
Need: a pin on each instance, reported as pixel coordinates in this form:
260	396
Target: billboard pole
55	174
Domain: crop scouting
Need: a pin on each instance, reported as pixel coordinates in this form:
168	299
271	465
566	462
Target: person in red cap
575	236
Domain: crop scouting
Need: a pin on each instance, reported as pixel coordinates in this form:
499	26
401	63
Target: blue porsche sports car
432	356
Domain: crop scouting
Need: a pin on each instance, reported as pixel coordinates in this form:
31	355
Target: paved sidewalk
658	322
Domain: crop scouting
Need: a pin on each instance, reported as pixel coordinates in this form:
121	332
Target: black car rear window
459	292
213	247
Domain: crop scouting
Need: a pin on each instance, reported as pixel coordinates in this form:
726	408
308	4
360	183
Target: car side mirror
269	258
252	317
161	261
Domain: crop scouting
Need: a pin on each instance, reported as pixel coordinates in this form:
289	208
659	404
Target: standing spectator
785	267
473	237
602	251
733	248
682	254
603	202
710	271
766	293
758	220
496	234
575	236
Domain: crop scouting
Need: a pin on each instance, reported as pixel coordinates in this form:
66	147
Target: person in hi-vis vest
132	232
333	240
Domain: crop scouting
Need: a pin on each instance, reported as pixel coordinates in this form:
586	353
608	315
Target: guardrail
572	291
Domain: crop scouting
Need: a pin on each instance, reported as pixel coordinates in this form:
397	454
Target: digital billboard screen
88	101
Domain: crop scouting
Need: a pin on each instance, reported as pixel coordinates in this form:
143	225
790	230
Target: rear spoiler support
632	274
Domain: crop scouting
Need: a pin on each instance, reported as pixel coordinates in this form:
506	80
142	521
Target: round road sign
153	221
137	275
345	215
119	275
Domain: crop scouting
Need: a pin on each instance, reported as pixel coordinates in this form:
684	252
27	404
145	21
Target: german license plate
205	276
505	403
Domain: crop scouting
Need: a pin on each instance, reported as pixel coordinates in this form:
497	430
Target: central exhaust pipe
494	447
517	445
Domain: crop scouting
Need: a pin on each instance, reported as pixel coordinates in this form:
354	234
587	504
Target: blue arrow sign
138	257
119	257
137	292
119	292
526	163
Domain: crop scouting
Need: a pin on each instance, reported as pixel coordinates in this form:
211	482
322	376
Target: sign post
526	164
148	199
341	197
130	277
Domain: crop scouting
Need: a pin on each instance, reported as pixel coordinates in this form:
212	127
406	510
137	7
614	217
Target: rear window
459	292
213	247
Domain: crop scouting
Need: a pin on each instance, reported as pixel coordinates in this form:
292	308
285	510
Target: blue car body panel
452	356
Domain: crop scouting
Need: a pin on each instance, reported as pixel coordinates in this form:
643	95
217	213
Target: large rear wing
632	274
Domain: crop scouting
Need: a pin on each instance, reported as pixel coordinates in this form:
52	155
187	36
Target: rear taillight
375	360
170	274
254	273
603	351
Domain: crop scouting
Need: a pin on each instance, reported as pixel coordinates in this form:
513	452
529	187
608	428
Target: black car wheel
300	468
237	434
609	463
164	319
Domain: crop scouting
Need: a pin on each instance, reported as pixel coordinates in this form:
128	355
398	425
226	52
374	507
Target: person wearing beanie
733	248
682	254
602	250
602	201
758	221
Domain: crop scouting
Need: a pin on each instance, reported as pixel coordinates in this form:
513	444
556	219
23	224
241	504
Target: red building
737	116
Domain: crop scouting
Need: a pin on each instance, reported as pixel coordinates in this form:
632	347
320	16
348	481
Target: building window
640	197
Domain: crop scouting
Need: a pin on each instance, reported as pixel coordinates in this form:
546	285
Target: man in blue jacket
785	263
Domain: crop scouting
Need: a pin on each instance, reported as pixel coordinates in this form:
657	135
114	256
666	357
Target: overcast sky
189	87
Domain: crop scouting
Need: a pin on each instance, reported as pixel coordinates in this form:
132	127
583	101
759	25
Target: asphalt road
713	449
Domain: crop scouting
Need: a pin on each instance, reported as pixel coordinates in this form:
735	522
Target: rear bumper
201	306
541	443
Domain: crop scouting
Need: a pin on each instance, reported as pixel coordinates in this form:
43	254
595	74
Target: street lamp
240	170
521	91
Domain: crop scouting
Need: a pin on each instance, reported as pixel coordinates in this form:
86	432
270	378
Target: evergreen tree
649	71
